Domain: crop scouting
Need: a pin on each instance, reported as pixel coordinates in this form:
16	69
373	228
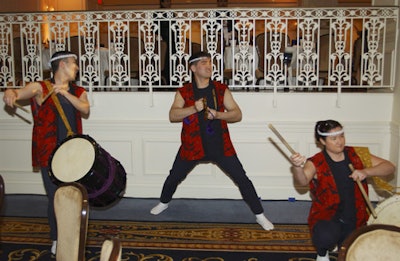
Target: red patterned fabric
325	197
44	133
192	146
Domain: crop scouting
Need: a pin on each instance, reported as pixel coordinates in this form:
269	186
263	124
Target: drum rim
387	202
381	206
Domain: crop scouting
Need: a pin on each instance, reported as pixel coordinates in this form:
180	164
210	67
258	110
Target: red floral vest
192	146
325	199
44	133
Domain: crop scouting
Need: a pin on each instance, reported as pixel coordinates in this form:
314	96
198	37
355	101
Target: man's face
71	67
336	143
202	68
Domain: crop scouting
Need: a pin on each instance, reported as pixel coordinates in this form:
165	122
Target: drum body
387	212
80	159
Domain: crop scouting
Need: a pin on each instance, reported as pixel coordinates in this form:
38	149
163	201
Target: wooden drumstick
16	104
205	108
281	139
366	198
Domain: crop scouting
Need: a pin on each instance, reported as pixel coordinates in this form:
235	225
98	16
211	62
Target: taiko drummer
48	98
338	205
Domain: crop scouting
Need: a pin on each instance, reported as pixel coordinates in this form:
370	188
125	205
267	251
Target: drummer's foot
159	208
323	258
264	222
54	247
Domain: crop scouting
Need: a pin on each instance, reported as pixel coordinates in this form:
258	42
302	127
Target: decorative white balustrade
292	48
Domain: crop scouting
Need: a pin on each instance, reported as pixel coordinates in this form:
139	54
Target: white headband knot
330	133
62	57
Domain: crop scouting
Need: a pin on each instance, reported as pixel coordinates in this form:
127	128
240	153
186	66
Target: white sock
54	247
159	208
264	222
323	258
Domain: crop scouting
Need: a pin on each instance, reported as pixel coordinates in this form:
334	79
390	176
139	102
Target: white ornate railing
318	48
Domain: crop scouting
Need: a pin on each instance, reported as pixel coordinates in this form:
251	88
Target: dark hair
325	126
195	56
55	64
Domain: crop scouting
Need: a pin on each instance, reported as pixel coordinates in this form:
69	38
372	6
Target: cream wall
135	130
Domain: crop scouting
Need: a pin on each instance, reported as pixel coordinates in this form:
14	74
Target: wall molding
146	145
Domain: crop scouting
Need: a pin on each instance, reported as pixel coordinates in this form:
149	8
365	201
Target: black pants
230	165
50	191
329	233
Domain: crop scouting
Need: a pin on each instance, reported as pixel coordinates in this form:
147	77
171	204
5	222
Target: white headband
62	57
197	59
330	133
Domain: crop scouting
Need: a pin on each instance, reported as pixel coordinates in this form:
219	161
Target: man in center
205	107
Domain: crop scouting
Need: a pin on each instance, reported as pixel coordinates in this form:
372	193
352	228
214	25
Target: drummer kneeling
338	206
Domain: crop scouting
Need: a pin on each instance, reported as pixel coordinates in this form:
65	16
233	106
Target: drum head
73	159
387	212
